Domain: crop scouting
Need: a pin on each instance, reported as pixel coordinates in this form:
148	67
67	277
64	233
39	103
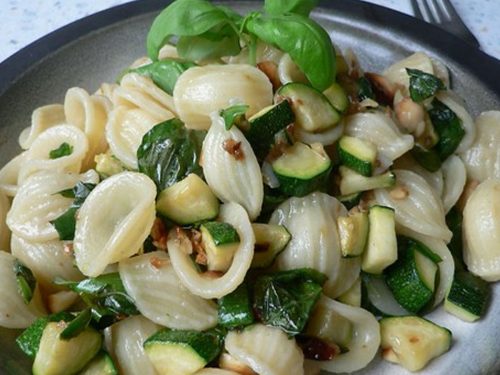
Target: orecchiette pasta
273	343
327	137
38	202
233	175
205	286
4	230
264	52
202	90
38	156
9	175
124	132
378	128
215	371
482	230
41	119
288	71
419	208
455	176
482	159
14	312
434	179
47	260
124	340
114	221
396	73
160	296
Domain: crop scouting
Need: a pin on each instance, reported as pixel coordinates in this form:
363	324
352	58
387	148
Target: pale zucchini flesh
353	233
352	296
352	182
220	241
337	97
270	240
357	154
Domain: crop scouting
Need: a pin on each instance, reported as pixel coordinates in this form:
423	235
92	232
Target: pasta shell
37	203
215	371
481	230
137	91
232	177
9	175
267	350
159	295
434	179
365	338
14	312
396	73
204	286
4	229
41	119
38	156
124	132
264	52
421	210
378	128
482	158
199	91
124	341
288	71
47	260
114	221
327	137
455	176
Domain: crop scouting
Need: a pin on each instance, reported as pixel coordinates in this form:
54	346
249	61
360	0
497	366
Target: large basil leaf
187	18
423	85
286	299
164	73
66	223
169	152
448	126
307	43
302	7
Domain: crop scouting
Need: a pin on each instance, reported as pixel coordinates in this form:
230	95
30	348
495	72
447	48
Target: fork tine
439	14
432	17
450	9
416	9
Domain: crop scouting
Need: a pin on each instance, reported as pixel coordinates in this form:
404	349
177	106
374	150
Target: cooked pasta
229	203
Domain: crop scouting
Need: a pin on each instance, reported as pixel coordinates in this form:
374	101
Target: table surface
22	22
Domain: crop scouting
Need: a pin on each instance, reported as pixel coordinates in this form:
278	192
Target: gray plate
97	48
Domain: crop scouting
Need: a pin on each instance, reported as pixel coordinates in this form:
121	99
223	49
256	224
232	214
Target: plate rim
479	64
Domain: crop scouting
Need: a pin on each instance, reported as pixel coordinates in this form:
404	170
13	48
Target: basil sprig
233	115
206	31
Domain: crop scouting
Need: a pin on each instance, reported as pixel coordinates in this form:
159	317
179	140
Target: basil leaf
29	340
307	43
169	152
286	299
423	85
164	73
77	325
233	115
365	90
64	149
185	18
448	126
66	223
26	281
205	46
302	7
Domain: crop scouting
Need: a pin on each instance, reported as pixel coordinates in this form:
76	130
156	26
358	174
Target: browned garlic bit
399	192
233	148
409	114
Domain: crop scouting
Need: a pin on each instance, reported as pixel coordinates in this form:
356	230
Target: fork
443	14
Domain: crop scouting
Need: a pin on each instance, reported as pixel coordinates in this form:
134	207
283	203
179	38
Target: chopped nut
233	148
158	263
409	114
399	192
159	234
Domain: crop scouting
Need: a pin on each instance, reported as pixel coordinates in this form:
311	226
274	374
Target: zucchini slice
352	296
352	182
357	154
412	278
302	169
353	232
56	356
337	97
382	248
313	111
235	308
265	124
188	201
179	352
270	240
412	341
468	297
101	364
429	159
330	326
350	200
220	241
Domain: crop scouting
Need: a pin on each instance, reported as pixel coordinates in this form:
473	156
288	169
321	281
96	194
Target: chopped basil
77	325
64	149
365	90
26	281
233	115
423	85
448	126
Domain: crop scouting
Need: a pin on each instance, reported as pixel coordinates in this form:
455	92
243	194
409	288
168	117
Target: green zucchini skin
357	155
235	309
468	296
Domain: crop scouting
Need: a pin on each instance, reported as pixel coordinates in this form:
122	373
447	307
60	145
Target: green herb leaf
29	340
233	115
164	73
64	149
429	159
66	223
423	85
169	152
286	299
448	126
302	7
188	18
26	281
454	220
365	90
307	43
77	325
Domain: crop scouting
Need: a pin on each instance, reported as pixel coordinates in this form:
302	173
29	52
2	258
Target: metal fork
443	14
